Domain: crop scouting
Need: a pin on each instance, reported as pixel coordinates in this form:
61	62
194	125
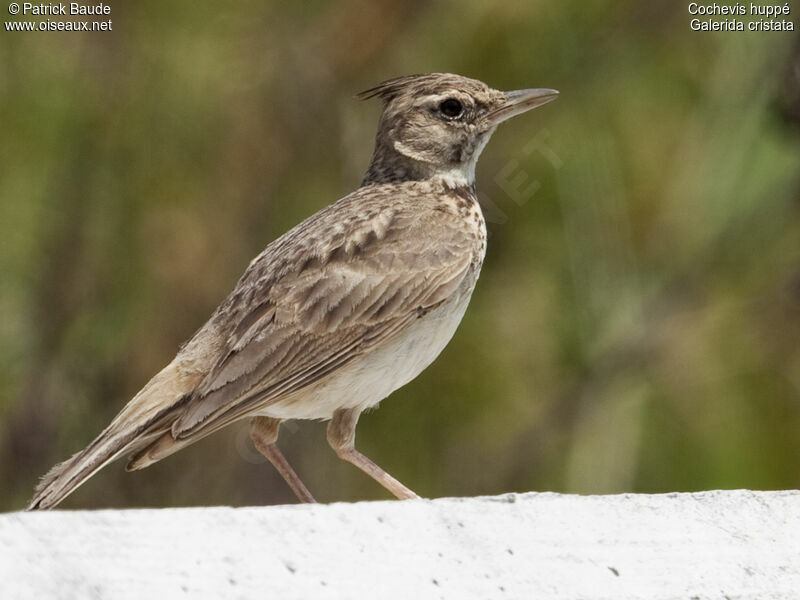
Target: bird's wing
326	292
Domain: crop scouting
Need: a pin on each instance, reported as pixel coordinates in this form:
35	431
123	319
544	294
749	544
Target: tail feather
166	444
67	476
162	447
145	417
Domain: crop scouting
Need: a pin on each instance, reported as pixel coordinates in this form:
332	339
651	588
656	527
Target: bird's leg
342	437
264	433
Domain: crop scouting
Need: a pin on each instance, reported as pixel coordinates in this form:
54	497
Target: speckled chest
462	203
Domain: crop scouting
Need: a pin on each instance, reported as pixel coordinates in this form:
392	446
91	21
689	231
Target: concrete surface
720	544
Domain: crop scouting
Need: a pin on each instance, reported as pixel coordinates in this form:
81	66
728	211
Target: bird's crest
419	83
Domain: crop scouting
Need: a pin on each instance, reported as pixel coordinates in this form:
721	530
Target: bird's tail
145	417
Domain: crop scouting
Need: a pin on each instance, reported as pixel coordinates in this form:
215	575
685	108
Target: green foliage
636	326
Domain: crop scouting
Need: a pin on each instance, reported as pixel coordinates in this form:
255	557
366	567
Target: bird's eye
451	108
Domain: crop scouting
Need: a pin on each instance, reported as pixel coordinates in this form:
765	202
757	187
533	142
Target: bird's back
345	281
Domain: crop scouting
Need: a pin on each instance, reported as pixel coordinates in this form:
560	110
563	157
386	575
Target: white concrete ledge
721	544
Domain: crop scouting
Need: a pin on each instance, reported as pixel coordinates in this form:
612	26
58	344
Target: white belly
366	381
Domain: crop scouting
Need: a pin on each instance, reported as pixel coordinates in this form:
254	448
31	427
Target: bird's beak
518	102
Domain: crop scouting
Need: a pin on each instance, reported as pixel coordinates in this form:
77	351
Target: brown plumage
340	311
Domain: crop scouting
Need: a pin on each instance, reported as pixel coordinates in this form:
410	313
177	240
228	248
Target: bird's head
435	126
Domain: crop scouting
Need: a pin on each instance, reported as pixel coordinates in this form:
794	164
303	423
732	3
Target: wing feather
321	296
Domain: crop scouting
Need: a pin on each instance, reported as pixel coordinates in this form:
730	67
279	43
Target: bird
340	311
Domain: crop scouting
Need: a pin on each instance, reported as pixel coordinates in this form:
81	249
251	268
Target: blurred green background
636	327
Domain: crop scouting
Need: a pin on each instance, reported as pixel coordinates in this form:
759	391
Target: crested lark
342	310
